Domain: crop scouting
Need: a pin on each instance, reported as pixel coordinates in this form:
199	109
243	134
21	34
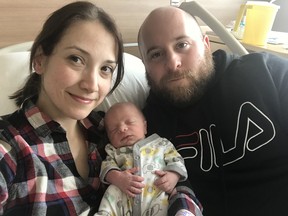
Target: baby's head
125	124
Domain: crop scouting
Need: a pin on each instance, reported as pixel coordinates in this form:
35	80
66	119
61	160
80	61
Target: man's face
177	57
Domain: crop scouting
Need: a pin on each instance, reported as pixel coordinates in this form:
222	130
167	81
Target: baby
141	171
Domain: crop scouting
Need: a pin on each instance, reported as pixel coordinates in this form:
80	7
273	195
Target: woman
49	158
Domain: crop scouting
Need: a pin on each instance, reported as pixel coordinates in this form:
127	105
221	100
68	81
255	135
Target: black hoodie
235	139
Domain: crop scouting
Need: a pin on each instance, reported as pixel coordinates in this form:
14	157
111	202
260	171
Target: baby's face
125	126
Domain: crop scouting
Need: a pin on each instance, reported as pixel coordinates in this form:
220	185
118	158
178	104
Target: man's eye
155	55
182	45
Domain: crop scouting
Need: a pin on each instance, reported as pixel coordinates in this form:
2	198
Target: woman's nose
90	81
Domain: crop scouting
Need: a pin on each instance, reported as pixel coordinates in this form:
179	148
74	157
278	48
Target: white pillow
14	68
20	47
133	88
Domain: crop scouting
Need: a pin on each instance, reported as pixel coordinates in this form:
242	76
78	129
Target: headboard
21	20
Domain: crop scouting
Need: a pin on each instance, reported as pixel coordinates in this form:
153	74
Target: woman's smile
83	100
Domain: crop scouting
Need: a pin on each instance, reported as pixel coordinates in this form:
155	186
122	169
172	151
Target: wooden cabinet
280	49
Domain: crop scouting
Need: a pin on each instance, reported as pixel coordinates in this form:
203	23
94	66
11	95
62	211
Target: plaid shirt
38	174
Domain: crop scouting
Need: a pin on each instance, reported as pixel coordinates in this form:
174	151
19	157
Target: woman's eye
76	59
108	69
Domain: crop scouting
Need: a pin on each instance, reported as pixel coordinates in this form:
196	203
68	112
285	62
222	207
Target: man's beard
198	79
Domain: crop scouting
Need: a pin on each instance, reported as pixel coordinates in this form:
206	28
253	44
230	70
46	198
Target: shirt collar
44	125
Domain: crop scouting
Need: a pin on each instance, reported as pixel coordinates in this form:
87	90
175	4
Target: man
226	115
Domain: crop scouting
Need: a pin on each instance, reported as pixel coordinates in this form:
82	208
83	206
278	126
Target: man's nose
173	60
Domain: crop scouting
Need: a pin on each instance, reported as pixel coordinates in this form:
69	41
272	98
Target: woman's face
77	76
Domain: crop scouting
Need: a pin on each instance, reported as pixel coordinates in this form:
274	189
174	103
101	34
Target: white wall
223	10
280	23
227	10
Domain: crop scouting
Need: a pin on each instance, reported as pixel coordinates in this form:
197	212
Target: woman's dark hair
53	30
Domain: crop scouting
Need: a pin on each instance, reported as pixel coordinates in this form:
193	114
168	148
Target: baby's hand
129	183
167	180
